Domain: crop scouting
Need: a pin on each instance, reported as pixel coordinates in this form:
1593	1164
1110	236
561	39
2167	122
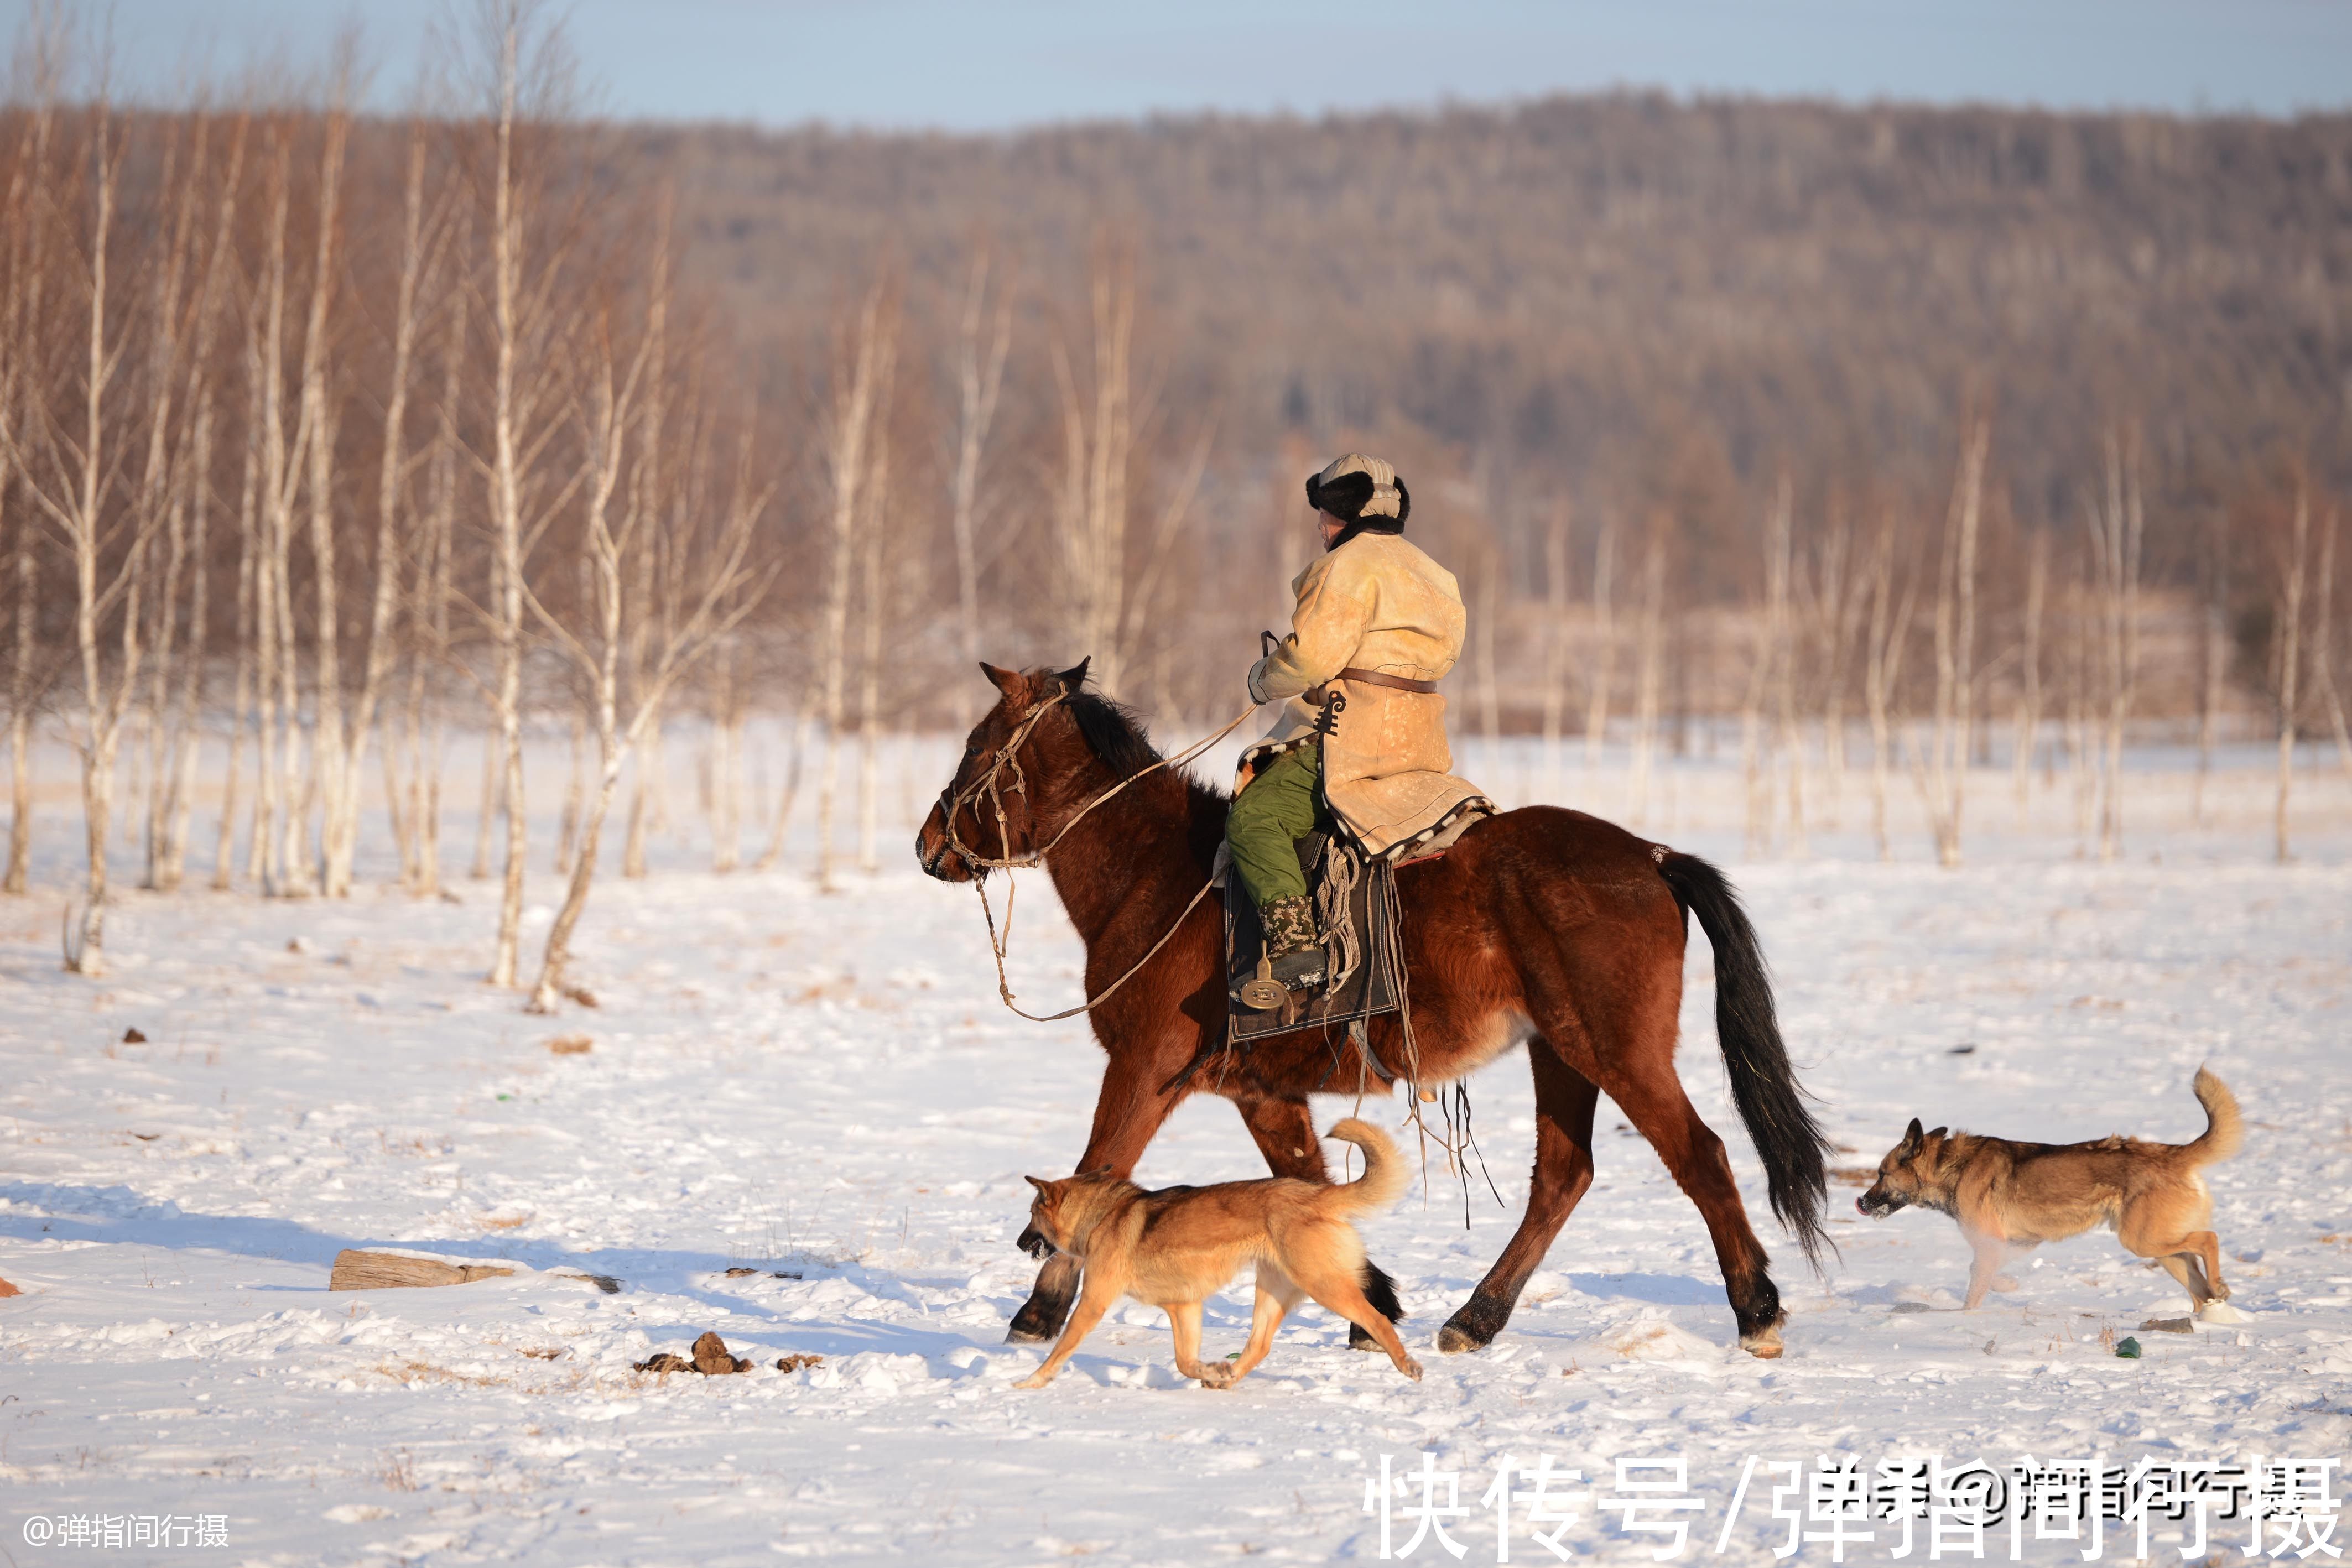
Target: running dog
2017	1196
1175	1247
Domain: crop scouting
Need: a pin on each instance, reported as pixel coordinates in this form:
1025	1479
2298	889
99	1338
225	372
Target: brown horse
1540	926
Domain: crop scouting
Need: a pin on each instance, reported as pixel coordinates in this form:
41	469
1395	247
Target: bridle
988	790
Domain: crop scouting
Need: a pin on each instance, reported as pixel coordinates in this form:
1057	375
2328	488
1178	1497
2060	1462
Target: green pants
1272	814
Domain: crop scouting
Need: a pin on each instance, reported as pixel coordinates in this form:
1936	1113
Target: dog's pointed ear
1938	1135
1040	1183
1075	677
1010	682
1912	1138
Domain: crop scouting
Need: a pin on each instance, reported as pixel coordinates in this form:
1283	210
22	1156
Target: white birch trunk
2290	667
1648	684
858	371
1604	612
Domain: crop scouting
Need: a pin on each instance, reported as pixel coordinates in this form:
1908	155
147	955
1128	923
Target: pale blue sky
967	66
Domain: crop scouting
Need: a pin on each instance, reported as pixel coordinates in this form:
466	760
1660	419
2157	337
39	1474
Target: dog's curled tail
2225	1129
1384	1178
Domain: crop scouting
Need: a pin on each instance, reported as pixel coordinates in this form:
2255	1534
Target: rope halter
987	791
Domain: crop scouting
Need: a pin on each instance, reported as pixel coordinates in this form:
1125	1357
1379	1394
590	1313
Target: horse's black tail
1763	1085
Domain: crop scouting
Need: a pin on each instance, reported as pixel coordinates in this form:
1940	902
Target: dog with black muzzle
1175	1247
2011	1196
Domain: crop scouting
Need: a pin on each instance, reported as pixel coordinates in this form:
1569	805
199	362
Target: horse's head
993	803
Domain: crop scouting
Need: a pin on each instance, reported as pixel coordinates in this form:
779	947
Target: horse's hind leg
1651	1097
1564	1102
1285	1133
1127	1111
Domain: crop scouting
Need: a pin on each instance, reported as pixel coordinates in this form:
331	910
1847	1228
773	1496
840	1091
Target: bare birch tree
2117	529
275	804
1555	644
344	737
1889	633
718	595
1650	644
423	717
1768	671
527	408
866	349
1837	609
27	255
247	571
161	493
869	663
2213	637
197	494
1097	448
2286	655
980	378
2029	673
73	486
1943	776
1604	626
2323	645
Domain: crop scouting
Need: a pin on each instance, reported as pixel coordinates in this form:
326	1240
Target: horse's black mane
1114	732
1112	729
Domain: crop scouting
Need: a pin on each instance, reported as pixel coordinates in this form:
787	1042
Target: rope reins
1005	772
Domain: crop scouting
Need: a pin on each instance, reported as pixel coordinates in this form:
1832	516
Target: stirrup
1267	990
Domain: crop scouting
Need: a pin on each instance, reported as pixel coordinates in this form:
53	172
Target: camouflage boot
1291	942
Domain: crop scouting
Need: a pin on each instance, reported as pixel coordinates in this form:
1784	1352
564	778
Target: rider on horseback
1381	619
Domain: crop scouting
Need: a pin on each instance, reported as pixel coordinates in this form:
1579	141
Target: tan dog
1175	1247
2017	1196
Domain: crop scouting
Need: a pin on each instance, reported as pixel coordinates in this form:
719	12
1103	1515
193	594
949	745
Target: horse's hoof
1016	1334
1454	1341
1765	1346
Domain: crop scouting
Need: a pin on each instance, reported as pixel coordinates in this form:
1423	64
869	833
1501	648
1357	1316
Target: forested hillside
1634	302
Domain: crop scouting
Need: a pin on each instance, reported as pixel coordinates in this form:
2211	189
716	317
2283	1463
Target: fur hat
1362	492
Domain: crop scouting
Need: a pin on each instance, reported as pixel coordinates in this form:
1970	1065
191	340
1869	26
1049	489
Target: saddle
1357	913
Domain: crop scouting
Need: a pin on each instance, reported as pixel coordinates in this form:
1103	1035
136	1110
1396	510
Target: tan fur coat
1377	602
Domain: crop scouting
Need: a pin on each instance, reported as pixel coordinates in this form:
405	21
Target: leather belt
1395	683
1314	695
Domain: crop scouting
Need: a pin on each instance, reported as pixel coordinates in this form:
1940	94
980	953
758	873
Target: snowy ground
825	1088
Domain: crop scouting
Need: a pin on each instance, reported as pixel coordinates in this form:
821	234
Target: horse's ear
1009	682
1075	677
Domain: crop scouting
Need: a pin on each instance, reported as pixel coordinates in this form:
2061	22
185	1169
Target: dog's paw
1411	1368
1035	1380
2004	1284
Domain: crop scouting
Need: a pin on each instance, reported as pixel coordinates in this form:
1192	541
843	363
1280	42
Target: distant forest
1627	303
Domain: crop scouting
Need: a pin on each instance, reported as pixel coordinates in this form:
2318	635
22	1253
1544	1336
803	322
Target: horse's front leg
1284	1131
1127	1113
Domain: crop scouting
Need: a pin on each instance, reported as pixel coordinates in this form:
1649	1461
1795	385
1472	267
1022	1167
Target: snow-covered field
825	1092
